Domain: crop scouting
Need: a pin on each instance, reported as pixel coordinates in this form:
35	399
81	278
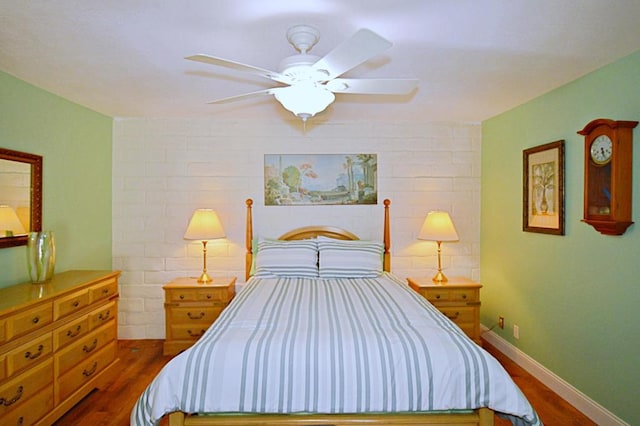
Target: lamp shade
204	225
438	227
9	222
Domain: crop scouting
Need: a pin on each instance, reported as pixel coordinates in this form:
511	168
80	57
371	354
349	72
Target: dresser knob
35	320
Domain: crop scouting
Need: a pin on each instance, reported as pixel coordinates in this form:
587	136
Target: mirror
20	196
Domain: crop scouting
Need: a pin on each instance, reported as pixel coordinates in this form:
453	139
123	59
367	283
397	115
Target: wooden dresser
458	299
190	308
58	341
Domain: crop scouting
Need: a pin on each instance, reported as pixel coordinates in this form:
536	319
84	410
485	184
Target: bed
323	334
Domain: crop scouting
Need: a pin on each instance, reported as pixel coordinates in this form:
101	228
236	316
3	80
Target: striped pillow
350	259
287	258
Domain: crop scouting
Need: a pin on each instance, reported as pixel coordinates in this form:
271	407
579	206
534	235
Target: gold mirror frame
35	207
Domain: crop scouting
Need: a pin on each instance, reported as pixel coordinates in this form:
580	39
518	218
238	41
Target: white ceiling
474	58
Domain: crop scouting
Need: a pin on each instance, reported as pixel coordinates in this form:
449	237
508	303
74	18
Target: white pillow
297	258
350	259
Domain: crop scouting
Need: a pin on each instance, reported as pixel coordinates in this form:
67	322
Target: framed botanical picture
543	189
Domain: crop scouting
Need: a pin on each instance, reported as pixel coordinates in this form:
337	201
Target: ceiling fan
308	82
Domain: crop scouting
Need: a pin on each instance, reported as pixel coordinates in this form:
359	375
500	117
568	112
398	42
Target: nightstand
458	299
191	307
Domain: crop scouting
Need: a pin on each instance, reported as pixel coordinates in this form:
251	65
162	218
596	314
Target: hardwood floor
140	361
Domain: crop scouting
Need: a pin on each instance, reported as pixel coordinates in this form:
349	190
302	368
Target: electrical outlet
501	322
516	331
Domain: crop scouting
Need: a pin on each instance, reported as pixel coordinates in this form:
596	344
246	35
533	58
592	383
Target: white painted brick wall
163	169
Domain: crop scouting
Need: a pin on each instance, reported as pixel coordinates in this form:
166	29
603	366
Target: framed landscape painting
320	179
543	189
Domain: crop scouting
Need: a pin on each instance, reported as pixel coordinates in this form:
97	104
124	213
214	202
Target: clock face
601	150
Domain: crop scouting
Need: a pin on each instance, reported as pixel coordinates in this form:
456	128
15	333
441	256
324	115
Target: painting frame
320	179
543	194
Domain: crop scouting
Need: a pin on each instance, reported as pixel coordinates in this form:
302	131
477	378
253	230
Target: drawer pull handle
20	421
464	296
34	355
7	402
105	291
88	349
208	296
104	315
70	333
196	334
181	296
195	317
35	320
454	317
437	296
75	304
92	370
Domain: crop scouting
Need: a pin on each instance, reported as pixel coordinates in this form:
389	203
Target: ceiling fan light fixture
305	100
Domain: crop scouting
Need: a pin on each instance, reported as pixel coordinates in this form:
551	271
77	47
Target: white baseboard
573	396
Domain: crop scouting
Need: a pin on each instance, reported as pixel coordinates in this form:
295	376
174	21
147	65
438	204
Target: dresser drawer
25	386
70	332
31	410
84	371
3	333
193	315
3	367
28	354
27	321
103	290
84	348
103	315
71	303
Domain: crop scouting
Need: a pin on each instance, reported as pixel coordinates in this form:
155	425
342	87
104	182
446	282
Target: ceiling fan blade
245	95
362	46
372	86
273	75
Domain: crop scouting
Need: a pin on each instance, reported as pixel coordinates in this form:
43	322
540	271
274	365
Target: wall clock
608	164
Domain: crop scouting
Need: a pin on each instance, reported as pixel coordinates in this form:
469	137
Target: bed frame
479	417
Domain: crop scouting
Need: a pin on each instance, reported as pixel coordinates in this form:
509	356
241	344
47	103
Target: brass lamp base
439	278
204	278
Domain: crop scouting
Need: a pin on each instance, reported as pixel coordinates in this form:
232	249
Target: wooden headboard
313	232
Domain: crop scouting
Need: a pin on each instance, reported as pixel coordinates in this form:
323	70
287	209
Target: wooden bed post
387	237
249	240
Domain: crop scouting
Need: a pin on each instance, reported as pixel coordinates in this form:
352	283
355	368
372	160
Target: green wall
574	297
75	144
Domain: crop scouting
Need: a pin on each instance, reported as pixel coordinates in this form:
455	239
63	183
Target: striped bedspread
303	345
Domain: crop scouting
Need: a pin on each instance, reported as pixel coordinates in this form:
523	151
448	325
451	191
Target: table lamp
204	225
438	227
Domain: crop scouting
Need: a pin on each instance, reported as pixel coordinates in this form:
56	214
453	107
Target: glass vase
41	256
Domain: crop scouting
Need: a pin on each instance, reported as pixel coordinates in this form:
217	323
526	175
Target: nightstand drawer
451	295
187	332
193	315
222	295
459	314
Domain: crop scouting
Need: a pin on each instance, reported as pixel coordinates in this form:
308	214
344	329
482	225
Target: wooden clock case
608	187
